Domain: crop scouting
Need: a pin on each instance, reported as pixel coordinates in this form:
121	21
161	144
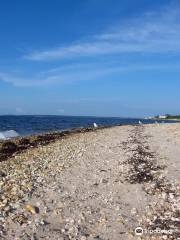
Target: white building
162	117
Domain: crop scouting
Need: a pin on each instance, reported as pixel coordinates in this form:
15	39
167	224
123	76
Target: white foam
8	134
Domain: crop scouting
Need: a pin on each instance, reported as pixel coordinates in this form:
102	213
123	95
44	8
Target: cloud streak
81	72
155	32
151	33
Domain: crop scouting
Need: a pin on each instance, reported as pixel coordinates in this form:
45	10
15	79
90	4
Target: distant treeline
168	116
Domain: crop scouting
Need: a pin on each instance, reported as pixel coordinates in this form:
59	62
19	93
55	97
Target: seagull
95	125
140	123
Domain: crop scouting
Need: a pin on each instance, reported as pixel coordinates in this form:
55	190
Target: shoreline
18	144
159	119
9	147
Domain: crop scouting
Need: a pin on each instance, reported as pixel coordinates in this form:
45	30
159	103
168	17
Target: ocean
12	126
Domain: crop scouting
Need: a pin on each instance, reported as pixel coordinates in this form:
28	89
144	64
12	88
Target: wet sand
94	185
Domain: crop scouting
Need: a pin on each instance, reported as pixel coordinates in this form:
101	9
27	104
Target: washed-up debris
142	163
9	147
143	169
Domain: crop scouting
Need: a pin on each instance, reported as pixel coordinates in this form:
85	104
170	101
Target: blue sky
90	57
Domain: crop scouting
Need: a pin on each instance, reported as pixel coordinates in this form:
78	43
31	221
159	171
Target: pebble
32	209
133	211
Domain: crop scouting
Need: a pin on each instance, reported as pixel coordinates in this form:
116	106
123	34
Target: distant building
162	116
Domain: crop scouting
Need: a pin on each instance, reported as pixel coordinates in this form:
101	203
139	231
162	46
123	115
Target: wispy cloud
81	72
155	32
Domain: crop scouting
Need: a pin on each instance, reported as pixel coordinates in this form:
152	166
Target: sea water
13	126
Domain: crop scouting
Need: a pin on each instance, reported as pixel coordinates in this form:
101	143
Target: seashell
171	195
83	238
21	219
32	209
133	211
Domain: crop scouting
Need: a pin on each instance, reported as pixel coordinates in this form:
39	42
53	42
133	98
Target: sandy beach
98	185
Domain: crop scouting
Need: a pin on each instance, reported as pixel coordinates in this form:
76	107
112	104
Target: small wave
8	134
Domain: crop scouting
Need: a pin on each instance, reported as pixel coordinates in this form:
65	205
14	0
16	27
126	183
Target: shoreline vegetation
173	117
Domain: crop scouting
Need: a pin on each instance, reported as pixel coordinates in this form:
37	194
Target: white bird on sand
140	123
95	125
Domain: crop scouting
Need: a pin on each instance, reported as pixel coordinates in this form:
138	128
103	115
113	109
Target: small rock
83	238
133	211
32	209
